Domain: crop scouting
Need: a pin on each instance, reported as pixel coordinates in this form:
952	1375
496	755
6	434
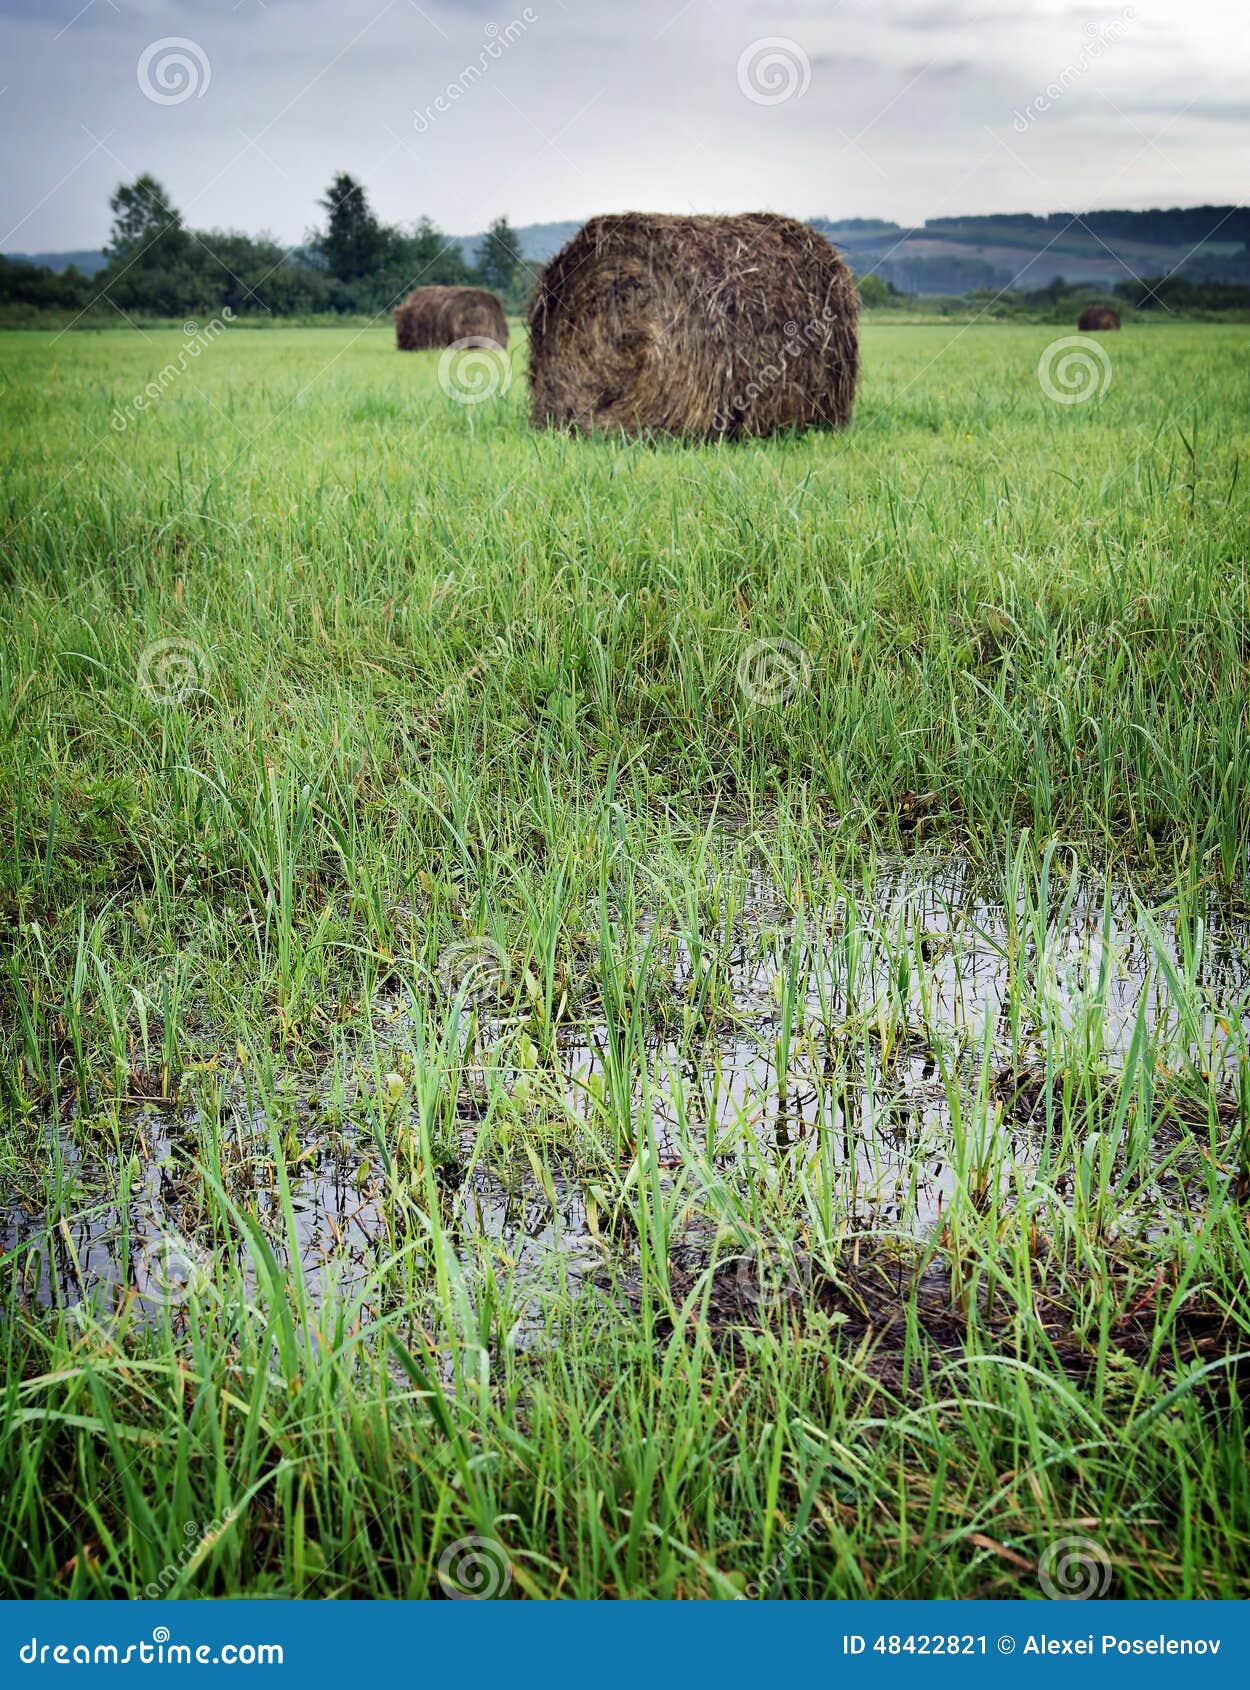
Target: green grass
465	691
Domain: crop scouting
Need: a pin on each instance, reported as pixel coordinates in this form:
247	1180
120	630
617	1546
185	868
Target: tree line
157	266
356	264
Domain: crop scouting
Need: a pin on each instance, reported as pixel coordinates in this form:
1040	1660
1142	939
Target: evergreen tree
353	242
499	258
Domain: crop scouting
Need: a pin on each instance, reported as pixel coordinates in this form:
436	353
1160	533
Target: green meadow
618	1018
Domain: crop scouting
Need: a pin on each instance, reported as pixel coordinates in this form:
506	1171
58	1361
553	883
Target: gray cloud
941	68
595	106
1201	109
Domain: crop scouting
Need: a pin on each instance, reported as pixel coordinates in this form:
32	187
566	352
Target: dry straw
694	326
441	316
1098	317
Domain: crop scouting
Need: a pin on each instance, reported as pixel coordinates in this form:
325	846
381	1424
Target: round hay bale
696	326
1098	318
440	316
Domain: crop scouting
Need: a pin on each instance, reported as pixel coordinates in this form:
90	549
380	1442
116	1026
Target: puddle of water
903	995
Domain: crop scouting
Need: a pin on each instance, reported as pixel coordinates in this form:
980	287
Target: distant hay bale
440	316
1099	317
696	326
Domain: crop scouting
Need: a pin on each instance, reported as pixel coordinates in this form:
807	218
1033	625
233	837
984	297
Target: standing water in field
882	1058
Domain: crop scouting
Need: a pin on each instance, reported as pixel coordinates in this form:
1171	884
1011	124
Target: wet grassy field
587	1018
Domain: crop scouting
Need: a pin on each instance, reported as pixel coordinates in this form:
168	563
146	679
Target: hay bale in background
695	326
440	316
1098	317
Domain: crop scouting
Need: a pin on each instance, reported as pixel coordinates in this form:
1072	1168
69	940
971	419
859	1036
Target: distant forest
156	266
1204	244
1186	259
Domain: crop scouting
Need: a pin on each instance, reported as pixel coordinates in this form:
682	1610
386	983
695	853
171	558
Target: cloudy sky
464	109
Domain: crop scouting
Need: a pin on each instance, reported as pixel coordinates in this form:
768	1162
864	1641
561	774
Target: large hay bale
1098	317
695	326
440	316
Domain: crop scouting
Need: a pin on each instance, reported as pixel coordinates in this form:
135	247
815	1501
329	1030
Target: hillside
952	255
89	261
538	241
956	254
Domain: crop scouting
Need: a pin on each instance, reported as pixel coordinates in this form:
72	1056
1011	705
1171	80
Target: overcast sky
464	109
